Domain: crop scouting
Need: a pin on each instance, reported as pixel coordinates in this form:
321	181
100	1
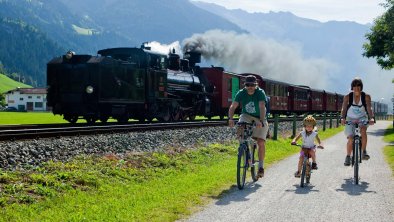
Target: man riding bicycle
253	100
356	107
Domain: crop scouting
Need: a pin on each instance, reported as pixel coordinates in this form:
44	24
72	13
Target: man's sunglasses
356	85
250	84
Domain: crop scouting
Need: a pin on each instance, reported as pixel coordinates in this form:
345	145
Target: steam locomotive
137	83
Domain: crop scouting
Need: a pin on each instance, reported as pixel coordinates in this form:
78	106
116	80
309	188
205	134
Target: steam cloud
244	53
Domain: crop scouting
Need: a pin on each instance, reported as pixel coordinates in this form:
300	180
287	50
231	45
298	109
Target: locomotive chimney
193	57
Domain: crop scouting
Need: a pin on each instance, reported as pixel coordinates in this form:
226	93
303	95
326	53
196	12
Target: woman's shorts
350	128
257	132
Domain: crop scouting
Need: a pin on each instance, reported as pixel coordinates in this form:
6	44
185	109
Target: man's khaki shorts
257	132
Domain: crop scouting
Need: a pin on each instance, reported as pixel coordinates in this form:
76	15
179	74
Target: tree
381	44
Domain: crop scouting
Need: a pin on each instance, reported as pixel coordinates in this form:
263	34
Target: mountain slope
25	50
150	20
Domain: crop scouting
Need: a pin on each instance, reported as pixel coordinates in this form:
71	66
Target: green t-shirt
250	103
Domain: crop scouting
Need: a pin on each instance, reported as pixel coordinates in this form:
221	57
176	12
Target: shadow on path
233	194
354	190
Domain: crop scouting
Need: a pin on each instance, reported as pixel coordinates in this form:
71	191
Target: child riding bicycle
308	134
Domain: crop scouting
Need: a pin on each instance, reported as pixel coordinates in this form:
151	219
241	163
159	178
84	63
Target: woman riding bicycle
252	100
356	107
308	135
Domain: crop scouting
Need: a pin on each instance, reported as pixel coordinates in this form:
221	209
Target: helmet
309	120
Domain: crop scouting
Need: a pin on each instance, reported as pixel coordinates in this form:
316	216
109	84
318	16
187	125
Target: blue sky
361	11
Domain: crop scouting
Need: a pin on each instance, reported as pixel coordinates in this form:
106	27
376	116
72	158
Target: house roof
29	90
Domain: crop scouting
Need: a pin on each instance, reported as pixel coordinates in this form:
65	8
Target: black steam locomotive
128	83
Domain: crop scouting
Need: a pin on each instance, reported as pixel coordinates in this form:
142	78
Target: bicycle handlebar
353	122
316	146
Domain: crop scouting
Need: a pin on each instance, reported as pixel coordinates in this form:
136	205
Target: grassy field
389	150
139	187
10	118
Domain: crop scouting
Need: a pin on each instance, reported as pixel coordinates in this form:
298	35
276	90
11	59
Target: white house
27	99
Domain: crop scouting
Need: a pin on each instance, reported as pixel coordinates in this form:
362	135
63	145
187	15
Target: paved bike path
331	196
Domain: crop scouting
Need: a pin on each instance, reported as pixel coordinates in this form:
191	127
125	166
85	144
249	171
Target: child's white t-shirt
308	141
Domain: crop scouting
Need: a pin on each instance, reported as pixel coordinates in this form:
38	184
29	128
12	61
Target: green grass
139	187
9	118
7	84
389	150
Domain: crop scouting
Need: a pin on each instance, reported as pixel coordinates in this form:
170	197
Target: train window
282	91
300	95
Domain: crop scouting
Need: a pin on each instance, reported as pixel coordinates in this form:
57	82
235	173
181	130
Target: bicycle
357	148
247	154
306	170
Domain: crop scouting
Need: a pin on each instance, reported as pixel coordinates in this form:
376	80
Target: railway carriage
223	85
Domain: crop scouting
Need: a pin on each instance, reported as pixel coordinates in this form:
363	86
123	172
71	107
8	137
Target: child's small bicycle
247	154
306	170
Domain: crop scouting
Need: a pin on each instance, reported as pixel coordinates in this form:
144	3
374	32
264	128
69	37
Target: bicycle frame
246	153
306	167
357	148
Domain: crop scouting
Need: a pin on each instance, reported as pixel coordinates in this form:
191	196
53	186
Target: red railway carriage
298	99
330	102
277	91
339	102
226	85
316	100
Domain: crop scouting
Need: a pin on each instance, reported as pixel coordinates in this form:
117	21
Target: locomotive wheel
192	116
104	119
71	118
166	116
122	119
176	115
90	119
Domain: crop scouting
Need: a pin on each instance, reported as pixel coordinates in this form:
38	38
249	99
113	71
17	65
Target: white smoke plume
242	53
163	48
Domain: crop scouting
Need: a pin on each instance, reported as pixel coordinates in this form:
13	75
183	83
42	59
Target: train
137	83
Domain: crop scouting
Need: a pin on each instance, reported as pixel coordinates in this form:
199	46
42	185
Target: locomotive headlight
89	89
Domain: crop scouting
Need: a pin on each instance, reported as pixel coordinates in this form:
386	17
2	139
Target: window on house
38	104
21	99
29	97
38	97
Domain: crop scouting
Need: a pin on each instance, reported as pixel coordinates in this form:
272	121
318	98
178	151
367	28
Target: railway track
21	132
36	131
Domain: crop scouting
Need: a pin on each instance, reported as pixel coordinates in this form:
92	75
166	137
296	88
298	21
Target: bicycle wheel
303	172
308	171
255	162
241	166
360	150
356	161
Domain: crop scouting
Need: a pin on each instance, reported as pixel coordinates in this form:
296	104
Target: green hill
7	84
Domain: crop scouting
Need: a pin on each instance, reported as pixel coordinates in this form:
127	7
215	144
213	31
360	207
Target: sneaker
297	174
261	172
365	155
347	161
314	166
